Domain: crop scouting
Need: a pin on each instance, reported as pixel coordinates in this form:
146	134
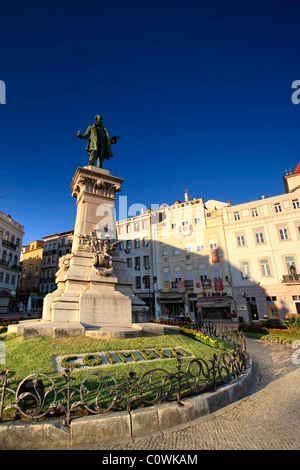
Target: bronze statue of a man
99	142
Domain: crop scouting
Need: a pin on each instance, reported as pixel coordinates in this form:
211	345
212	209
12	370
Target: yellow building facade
31	259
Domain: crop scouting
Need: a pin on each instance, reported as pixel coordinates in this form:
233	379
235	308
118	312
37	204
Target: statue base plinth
93	284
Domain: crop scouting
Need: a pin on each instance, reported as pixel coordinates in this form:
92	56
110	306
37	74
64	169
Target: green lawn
25	357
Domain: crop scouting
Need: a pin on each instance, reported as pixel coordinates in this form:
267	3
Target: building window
296	204
146	281
213	246
146	262
138	282
129	263
189	274
240	238
259	237
176	251
137	262
200	247
236	215
145	224
145	242
277	206
173	226
290	261
197	220
265	267
1	277
166	276
217	273
137	243
128	244
164	250
271	299
177	274
137	227
245	269
283	232
254	212
202	271
7	279
36	269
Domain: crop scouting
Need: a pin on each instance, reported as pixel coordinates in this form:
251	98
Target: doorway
252	308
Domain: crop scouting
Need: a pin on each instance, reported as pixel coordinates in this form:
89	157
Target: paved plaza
268	419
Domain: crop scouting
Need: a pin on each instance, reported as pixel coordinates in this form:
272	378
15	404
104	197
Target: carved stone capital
96	182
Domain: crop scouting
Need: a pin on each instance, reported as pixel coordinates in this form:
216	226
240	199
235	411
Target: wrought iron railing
37	395
291	278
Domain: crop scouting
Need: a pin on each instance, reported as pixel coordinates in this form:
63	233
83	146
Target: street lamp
145	280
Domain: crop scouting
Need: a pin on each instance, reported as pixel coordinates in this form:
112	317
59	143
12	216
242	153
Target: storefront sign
209	303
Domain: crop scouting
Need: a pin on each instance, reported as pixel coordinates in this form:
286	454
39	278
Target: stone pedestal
93	285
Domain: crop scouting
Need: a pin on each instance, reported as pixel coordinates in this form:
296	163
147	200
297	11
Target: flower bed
287	336
203	338
253	328
9	321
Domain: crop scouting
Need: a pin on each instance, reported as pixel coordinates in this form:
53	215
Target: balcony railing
290	278
190	284
9	244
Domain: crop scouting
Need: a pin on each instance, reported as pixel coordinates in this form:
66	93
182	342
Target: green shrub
292	321
92	360
70	365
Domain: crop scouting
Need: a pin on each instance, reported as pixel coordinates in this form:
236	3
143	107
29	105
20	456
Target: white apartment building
135	236
263	246
11	237
187	269
217	261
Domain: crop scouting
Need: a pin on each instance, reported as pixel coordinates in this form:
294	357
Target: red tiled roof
297	170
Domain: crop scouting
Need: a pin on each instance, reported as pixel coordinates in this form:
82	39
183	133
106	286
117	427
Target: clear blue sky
198	91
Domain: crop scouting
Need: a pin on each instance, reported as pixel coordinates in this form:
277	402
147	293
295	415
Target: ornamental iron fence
38	396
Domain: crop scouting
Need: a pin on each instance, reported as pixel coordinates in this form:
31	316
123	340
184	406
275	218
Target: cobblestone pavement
266	420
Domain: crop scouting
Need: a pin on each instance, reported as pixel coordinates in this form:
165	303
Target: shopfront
171	304
214	308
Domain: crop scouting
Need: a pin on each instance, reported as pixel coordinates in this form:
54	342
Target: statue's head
98	118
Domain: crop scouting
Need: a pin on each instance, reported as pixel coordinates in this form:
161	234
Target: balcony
289	278
49	252
9	244
190	284
3	262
